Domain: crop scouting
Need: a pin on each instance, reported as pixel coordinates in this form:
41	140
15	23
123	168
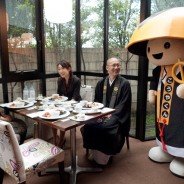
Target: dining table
68	123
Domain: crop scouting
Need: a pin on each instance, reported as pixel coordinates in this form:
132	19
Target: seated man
18	125
106	137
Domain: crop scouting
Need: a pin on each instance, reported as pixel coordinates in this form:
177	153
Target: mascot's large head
160	37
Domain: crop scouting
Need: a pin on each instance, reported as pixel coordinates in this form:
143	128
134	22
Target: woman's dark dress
72	90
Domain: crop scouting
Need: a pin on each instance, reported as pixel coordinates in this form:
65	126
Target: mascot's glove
152	96
180	91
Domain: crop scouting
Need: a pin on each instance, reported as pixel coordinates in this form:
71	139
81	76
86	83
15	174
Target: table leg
54	132
74	169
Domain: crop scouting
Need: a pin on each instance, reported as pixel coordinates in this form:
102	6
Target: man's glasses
115	65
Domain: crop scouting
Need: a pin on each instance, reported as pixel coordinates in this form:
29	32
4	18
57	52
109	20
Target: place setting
54	114
50	102
88	108
56	99
19	104
80	117
84	109
91	105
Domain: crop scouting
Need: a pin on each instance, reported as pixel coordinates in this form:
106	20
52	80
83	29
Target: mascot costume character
161	38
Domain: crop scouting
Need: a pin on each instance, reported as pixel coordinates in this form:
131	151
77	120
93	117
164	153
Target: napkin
35	114
106	110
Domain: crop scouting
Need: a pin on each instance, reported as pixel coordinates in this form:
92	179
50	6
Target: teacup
81	116
30	99
55	96
83	102
45	100
68	107
18	99
55	113
94	109
19	103
78	108
40	97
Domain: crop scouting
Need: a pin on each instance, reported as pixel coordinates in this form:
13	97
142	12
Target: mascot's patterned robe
169	111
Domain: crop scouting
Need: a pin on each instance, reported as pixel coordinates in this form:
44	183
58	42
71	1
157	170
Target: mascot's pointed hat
168	23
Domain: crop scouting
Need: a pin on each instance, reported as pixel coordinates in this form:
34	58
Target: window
22	45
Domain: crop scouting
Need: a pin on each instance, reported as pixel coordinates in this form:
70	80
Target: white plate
77	118
96	105
67	113
72	102
88	111
29	104
61	98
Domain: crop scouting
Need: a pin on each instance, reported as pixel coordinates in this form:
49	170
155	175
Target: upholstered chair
32	157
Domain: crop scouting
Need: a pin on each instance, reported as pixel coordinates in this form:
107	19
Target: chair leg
1	175
61	172
127	141
39	174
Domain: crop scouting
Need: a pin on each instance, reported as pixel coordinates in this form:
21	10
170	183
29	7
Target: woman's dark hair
65	64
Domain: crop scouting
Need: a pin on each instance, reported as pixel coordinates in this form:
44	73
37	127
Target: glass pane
21	35
123	19
150	119
92	35
90	80
157	5
51	86
133	85
59	39
1	92
15	89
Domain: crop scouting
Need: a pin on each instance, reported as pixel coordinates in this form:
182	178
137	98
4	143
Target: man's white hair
112	59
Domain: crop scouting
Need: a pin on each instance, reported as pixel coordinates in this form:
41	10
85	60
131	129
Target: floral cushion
39	155
10	156
33	156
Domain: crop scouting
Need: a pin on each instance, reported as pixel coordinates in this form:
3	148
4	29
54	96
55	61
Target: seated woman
18	125
68	85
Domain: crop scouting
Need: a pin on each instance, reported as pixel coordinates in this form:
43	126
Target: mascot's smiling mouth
158	56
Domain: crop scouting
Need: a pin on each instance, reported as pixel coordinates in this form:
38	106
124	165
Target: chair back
11	160
87	93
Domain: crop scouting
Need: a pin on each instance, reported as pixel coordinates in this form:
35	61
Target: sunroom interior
86	34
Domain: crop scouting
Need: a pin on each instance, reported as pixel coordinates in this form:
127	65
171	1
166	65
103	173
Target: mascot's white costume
161	38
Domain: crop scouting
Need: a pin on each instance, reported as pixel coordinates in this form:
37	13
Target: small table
65	125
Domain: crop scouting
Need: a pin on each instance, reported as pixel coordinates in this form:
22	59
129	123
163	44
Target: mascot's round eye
148	49
167	45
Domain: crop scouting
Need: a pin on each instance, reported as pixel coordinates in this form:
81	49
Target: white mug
78	108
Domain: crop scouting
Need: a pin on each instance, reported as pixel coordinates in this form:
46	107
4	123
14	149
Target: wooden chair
32	157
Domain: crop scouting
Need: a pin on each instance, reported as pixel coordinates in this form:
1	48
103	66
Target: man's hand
152	96
180	91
